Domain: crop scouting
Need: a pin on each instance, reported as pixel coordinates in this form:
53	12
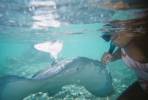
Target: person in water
133	49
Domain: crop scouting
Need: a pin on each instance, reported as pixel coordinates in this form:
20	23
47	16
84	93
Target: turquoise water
19	57
84	41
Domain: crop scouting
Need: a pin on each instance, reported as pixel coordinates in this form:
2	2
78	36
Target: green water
84	41
19	57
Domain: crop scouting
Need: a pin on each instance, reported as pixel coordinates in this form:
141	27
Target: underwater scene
52	49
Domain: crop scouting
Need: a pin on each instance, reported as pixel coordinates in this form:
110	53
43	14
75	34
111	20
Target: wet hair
137	27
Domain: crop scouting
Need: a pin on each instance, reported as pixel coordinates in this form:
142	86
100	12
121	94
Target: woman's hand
106	58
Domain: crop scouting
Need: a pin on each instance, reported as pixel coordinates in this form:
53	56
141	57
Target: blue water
81	37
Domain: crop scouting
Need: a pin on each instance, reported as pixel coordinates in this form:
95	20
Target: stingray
81	71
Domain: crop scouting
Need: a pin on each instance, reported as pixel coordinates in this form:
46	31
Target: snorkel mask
107	38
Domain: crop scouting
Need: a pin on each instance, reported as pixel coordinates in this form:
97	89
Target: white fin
51	47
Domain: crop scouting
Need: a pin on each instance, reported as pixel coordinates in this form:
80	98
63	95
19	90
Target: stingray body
81	71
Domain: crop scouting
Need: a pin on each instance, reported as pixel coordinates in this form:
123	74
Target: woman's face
121	39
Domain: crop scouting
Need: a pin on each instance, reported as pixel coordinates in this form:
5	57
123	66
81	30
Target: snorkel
107	38
112	48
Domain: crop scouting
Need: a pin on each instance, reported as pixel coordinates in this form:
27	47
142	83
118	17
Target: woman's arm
111	56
